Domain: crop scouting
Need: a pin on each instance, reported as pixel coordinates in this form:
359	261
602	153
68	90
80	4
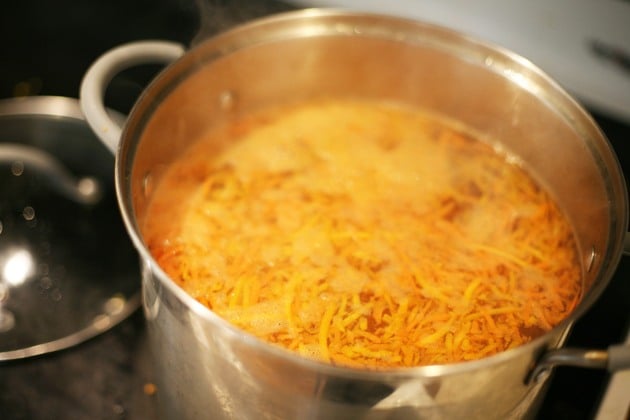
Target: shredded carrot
324	329
365	234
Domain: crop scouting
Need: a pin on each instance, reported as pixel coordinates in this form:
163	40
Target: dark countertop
46	50
103	378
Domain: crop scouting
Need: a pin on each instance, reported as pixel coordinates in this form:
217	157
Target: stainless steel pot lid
68	270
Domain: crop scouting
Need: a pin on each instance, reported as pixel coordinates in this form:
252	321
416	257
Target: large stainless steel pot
206	367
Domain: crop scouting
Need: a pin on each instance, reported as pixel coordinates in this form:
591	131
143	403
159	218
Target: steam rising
220	15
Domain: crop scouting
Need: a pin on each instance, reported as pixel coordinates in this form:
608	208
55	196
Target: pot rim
235	39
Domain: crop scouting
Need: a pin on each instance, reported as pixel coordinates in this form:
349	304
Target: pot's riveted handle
103	70
615	358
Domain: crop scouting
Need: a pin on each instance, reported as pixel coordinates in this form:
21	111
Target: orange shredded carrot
365	234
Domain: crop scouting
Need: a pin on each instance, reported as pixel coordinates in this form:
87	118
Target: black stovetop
47	48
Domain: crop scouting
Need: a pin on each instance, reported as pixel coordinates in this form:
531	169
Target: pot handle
103	70
613	359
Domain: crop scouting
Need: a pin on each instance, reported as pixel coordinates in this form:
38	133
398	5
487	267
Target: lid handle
85	190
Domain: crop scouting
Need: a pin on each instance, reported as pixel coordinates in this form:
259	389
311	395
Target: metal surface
317	53
68	269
